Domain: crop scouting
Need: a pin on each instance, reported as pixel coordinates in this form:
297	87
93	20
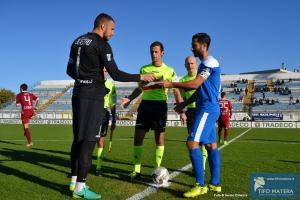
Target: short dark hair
102	18
223	94
157	43
202	38
23	86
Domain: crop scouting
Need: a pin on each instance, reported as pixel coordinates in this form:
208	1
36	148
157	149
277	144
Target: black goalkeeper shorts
87	118
152	115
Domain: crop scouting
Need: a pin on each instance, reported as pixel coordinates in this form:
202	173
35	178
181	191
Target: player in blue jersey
207	83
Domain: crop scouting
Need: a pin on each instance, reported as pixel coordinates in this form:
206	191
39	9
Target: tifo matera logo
259	182
274	185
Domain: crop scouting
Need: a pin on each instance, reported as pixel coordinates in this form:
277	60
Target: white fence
170	123
287	116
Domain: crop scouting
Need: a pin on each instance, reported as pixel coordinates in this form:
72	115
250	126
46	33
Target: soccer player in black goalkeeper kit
89	54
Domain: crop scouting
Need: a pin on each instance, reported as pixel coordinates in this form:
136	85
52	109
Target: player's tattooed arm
127	99
136	92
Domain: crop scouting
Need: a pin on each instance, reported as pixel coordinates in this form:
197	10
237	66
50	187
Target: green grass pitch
41	172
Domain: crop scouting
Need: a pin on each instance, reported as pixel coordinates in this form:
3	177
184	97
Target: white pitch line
149	190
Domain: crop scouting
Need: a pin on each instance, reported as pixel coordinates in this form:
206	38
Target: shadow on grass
289	161
174	192
122	175
34	179
53	151
123	162
186	172
8	142
181	183
36	158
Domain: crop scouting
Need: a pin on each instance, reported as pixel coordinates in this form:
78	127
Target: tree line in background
6	96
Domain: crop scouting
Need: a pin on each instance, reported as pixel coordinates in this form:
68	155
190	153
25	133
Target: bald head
191	65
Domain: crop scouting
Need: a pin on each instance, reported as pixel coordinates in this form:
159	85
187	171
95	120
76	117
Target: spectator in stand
286	88
291	99
241	97
251	99
272	101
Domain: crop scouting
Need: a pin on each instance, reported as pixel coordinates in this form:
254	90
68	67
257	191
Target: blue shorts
204	127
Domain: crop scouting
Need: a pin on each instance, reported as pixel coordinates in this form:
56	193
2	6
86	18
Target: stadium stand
275	91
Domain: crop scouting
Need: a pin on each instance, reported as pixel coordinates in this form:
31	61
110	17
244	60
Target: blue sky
246	35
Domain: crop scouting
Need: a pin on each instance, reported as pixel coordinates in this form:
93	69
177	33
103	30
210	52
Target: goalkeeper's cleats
72	186
85	193
214	188
196	191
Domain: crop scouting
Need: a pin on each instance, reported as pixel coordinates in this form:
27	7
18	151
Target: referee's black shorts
190	115
152	115
87	118
105	123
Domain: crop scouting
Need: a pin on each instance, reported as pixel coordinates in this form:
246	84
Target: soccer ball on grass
160	176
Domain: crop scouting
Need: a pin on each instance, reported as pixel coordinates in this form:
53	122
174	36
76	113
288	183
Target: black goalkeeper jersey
89	54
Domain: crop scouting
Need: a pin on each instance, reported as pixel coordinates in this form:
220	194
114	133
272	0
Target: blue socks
197	162
214	165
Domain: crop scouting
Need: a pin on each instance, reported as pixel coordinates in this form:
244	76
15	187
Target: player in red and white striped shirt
26	100
224	119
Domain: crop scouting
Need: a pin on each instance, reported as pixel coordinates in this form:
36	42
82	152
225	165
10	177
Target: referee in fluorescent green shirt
153	110
110	100
191	67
